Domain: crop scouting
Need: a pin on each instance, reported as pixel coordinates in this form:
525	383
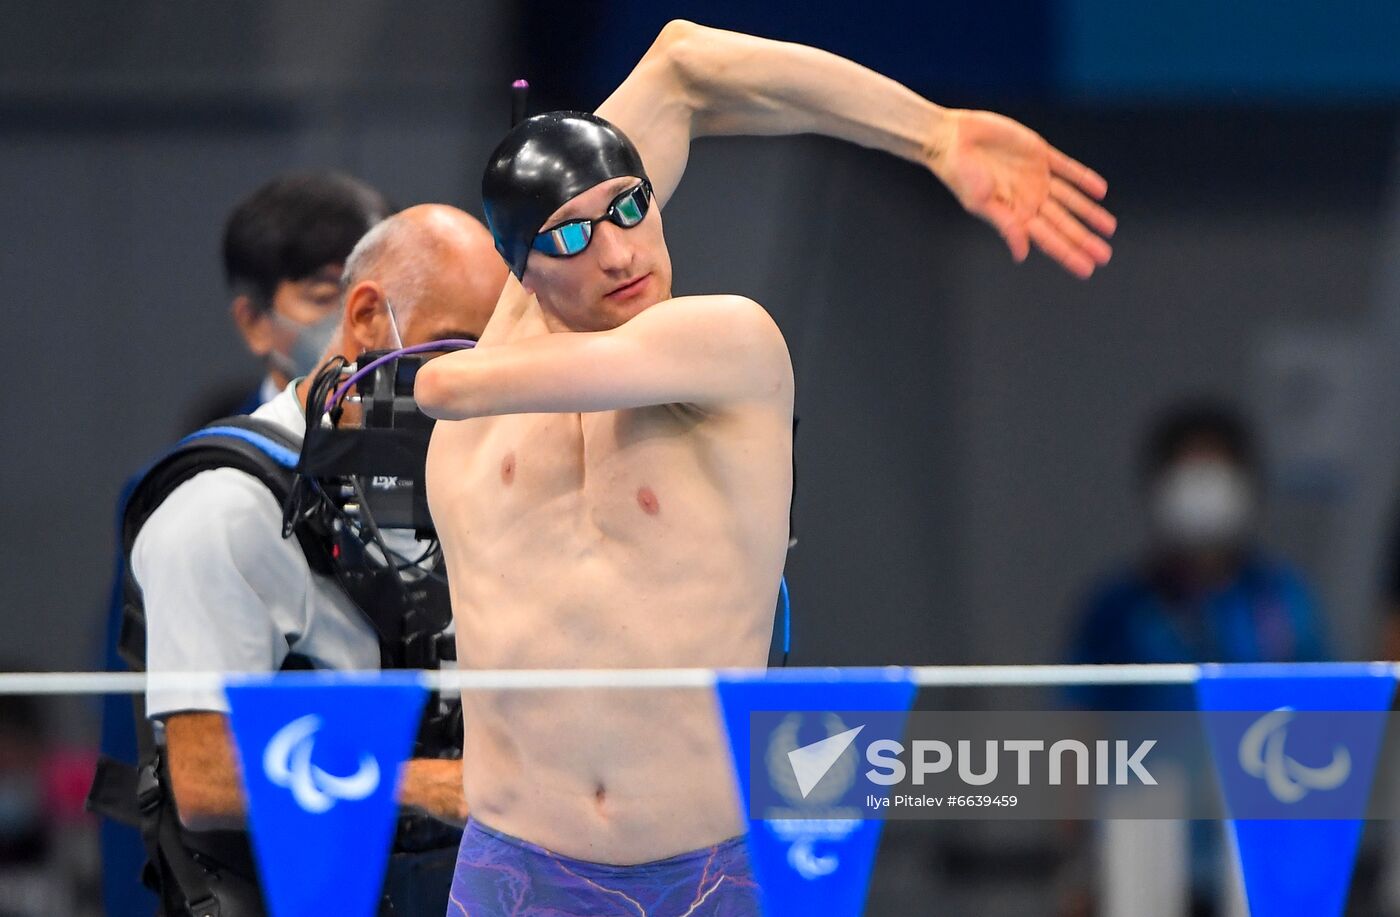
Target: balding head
438	269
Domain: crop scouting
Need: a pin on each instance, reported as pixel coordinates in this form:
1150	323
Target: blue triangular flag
1296	748
798	740
320	757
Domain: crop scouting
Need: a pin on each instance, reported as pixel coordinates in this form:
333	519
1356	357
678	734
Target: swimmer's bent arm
209	793
696	81
708	351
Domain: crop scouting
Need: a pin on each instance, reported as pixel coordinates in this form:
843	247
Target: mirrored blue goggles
567	239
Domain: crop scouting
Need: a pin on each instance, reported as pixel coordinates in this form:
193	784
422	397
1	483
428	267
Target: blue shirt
1265	613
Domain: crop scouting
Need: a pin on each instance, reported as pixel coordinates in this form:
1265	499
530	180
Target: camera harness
329	485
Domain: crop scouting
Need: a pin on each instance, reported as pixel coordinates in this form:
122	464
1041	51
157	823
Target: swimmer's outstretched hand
1005	173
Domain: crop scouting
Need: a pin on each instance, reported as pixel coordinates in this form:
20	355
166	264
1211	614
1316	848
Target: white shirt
269	390
224	591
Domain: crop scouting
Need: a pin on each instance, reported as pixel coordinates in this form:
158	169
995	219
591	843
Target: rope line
953	676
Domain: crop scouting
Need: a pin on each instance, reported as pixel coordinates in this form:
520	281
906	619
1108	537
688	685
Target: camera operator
223	590
284	248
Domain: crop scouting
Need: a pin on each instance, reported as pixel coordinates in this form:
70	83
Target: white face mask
1202	503
308	347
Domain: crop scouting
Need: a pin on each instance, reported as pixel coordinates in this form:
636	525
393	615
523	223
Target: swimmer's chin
623	309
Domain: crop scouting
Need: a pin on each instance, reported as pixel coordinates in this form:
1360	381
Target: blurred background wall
129	132
968	426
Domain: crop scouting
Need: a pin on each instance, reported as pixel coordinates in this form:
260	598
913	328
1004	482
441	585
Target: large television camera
368	449
360	487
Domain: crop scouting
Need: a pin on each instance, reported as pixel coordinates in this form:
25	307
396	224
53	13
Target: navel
646	499
508	468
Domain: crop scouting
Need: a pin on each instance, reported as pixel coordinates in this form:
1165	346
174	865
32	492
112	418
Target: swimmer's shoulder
728	338
713	310
736	322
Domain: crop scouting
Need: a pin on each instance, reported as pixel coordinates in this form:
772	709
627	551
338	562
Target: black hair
294	226
1187	422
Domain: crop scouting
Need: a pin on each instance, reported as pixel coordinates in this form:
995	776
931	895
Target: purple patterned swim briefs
499	875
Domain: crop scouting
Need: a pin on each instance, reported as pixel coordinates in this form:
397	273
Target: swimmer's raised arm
707	351
696	81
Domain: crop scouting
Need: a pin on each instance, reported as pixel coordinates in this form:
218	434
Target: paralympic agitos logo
287	763
1261	755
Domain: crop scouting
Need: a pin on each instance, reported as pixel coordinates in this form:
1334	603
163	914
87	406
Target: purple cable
430	347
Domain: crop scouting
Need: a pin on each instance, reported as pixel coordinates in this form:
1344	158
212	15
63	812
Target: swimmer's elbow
687	53
429	392
677	32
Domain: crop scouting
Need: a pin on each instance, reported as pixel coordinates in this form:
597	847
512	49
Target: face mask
1202	503
308	347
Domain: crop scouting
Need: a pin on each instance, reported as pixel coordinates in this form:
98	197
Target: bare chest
613	473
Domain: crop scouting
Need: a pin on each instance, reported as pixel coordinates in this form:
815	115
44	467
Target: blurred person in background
46	868
283	249
25	835
1203	590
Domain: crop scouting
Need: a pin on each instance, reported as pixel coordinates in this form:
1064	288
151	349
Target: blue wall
969	52
1236	50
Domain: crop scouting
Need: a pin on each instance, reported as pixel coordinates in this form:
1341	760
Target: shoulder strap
139	795
248	444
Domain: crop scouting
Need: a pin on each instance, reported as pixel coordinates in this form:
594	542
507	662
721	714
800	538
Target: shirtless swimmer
612	473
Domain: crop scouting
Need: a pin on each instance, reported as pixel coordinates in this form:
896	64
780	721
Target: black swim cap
543	162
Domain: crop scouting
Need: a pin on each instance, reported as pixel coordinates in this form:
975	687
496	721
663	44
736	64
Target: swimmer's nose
615	250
